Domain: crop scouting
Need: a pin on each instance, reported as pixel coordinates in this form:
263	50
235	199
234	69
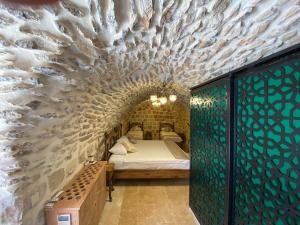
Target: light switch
64	219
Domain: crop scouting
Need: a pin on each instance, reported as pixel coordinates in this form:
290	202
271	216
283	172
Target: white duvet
151	154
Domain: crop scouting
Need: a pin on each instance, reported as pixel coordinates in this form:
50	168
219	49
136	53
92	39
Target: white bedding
171	136
136	134
152	154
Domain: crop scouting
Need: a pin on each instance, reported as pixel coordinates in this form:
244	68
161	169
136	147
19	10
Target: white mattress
152	154
171	136
136	134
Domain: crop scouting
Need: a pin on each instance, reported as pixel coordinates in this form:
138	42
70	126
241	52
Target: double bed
154	159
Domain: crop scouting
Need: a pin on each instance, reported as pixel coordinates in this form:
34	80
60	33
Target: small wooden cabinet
148	135
82	200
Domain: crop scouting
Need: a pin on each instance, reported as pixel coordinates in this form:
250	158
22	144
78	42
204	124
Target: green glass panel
267	152
209	119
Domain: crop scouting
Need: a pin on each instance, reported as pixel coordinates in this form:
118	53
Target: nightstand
109	178
148	135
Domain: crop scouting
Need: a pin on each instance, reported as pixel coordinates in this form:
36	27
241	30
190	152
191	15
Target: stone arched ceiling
69	72
184	42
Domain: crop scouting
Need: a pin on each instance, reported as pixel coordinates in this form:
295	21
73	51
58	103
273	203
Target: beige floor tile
149	202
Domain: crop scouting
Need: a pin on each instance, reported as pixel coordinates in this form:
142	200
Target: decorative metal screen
209	130
267	152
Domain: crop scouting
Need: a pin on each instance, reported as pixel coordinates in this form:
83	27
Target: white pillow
167	129
130	147
136	128
123	139
118	149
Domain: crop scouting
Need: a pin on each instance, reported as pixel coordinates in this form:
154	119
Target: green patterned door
267	151
209	144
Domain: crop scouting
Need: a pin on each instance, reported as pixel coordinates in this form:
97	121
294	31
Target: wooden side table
109	178
148	135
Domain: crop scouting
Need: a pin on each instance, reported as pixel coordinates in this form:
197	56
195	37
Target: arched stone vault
72	71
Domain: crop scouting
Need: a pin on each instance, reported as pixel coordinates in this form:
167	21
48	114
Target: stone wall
183	124
150	116
71	71
49	127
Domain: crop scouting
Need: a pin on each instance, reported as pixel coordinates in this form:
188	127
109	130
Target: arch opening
72	71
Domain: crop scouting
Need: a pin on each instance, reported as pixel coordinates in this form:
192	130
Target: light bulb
163	100
173	98
156	103
153	98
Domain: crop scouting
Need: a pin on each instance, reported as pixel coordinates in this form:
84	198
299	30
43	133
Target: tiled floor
149	203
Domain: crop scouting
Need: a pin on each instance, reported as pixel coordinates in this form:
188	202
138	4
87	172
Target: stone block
56	179
86	78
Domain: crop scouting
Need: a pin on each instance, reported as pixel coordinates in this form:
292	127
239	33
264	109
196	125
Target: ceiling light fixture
163	100
172	98
156	103
153	98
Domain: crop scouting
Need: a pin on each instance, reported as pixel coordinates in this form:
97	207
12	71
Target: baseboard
195	218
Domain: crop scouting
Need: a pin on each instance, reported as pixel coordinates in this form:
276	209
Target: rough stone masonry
70	72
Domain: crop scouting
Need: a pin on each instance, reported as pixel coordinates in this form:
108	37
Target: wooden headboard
131	125
110	138
171	125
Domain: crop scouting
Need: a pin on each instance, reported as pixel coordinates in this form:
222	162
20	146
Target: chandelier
161	100
161	97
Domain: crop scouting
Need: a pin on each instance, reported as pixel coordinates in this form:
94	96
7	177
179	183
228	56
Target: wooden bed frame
171	125
133	124
112	137
138	124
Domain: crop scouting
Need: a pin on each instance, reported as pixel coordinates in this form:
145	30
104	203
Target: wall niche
177	113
